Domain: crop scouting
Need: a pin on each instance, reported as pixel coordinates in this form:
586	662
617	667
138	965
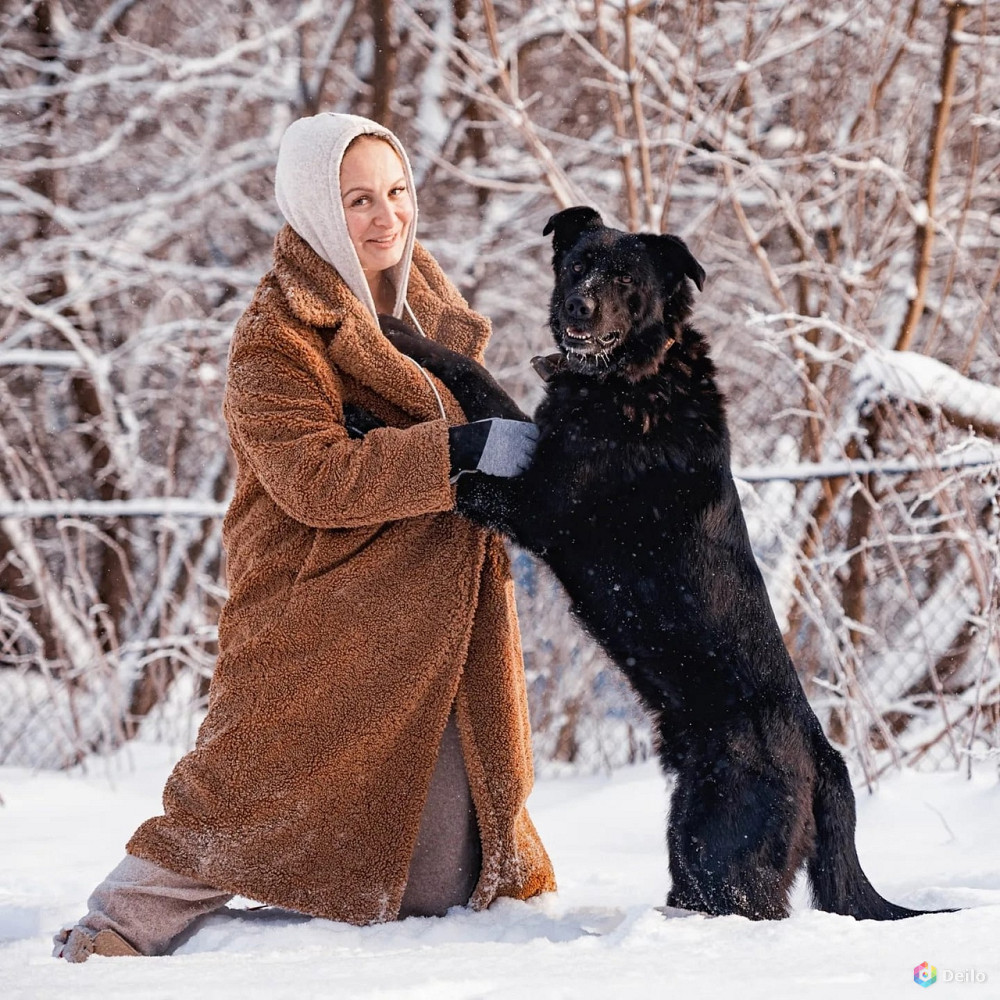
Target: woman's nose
382	215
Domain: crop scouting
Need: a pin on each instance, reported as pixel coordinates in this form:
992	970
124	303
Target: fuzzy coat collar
319	297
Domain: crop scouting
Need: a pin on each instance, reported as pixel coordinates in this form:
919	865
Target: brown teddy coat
361	610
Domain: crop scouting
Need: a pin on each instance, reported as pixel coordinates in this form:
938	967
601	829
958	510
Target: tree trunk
386	61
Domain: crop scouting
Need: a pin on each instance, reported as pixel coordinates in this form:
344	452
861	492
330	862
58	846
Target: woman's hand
496	447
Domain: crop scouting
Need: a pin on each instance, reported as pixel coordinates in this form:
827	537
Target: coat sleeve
288	422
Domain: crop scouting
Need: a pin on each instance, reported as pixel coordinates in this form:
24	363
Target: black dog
630	501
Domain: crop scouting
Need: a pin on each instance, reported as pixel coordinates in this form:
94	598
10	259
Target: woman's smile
384	242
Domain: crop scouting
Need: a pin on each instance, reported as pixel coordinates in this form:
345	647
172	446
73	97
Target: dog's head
618	297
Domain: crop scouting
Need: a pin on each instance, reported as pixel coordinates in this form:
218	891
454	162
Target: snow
922	379
27	356
926	840
132	507
433	124
970	455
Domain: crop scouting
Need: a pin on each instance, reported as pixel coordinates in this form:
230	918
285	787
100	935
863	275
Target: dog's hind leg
729	841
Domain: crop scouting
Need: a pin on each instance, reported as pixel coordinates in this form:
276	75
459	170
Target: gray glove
497	446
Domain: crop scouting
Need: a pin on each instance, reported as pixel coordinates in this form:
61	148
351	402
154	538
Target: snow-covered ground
926	840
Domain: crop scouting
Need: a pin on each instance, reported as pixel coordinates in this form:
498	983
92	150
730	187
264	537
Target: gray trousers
447	859
150	906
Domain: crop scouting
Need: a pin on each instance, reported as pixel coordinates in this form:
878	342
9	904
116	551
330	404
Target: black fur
631	502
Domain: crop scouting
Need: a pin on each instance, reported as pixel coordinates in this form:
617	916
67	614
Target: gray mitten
497	446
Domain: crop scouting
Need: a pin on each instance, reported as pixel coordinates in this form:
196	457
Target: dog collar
547	365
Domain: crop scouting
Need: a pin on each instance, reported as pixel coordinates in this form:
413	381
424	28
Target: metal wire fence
882	564
811	175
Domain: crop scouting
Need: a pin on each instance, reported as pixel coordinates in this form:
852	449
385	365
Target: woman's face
377	203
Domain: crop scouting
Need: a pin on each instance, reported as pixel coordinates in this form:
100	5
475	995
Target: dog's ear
674	258
567	226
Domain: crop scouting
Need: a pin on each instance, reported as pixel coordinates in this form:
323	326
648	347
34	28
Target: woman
366	753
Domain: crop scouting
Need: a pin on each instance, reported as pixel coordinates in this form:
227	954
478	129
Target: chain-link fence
882	562
833	166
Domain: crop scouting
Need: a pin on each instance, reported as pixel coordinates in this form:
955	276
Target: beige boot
78	944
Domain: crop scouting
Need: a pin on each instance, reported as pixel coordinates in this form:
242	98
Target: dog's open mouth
589	343
589	350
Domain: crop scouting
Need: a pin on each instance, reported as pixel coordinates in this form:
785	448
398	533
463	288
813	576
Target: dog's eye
576	267
625	279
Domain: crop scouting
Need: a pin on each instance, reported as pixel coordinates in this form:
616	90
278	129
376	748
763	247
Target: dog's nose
579	307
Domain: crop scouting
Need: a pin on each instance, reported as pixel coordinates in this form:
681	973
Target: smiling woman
379	211
366	754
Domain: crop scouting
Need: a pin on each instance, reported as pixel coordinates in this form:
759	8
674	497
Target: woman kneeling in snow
366	754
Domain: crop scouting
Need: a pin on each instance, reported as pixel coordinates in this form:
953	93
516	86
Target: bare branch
932	173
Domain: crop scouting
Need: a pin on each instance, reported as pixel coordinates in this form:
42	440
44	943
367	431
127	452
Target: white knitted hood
307	187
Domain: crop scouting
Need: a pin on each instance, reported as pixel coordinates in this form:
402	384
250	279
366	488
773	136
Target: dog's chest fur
607	429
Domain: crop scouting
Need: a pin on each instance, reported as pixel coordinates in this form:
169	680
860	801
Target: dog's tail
838	883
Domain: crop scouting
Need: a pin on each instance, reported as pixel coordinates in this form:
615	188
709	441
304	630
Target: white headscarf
307	187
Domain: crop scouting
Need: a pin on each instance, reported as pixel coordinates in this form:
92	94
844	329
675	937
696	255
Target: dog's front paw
360	421
488	501
401	335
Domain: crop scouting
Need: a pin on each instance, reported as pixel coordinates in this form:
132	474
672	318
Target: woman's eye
396	192
625	279
358	202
